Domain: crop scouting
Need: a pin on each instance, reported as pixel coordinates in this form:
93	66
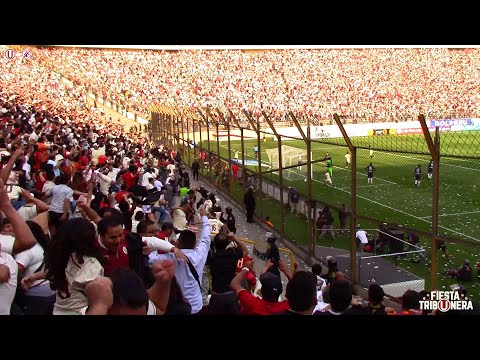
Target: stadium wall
373	129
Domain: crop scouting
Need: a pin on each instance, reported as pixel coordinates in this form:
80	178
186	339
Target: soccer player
330	167
255	149
370	150
299	163
348	158
430	169
328	179
370	170
418	175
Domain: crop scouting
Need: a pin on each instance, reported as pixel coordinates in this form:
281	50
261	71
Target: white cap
58	157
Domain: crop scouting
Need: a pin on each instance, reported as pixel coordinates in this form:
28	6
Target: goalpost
290	156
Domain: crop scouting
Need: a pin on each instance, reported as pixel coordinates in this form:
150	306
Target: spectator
125	294
410	304
271	290
188	275
72	262
375	300
222	262
301	294
229	220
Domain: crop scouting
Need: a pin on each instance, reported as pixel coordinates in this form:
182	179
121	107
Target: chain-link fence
320	185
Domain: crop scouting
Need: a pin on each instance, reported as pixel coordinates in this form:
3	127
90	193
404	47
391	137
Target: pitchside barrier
380	266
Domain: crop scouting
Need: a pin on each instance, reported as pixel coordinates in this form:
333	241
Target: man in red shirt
166	231
130	178
271	290
112	244
122	195
235	171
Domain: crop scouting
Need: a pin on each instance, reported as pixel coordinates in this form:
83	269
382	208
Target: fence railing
234	156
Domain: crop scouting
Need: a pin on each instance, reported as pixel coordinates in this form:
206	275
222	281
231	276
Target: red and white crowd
362	84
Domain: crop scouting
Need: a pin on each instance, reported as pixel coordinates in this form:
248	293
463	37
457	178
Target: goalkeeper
330	167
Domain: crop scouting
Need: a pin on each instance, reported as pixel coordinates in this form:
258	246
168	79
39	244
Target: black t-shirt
223	267
127	221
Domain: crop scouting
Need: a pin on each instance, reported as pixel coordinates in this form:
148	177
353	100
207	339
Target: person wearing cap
273	254
271	290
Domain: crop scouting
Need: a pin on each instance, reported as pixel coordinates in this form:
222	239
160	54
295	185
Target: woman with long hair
73	260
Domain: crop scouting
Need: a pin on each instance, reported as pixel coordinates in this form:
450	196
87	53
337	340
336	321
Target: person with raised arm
189	275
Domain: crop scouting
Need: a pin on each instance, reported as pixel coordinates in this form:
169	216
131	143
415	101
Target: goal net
290	156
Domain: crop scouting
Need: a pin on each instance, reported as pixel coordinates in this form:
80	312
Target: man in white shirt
104	181
171	169
347	159
158	184
362	238
112	172
197	255
147	175
62	195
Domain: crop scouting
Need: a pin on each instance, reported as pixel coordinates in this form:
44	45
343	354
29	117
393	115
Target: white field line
460	213
365	186
400	211
415	158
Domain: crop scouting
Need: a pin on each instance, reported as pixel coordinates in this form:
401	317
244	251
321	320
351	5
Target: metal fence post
306	139
434	148
353	226
280	171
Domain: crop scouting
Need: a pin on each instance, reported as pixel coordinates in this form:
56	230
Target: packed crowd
361	84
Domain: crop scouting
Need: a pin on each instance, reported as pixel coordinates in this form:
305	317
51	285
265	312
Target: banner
451	122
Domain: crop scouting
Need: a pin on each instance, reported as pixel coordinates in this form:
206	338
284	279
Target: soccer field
392	198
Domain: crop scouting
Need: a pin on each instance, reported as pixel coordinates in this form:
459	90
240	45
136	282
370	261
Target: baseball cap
270	236
331	260
271	285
